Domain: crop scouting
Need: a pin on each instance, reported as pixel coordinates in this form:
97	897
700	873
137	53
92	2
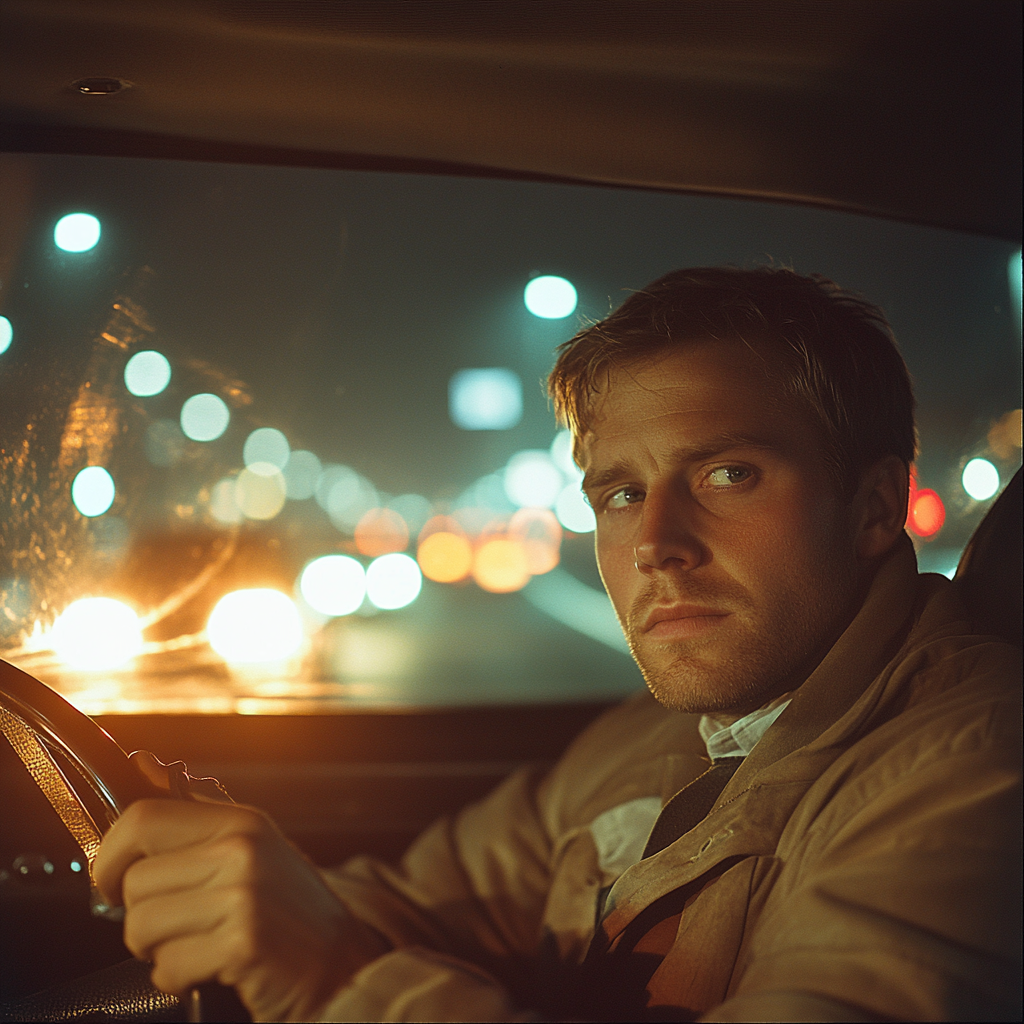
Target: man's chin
692	686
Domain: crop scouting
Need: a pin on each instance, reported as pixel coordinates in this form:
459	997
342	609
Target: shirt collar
739	739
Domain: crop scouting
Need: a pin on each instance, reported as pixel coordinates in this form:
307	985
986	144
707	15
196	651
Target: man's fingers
151	827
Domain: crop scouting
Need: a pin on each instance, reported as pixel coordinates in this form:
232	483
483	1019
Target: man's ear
880	506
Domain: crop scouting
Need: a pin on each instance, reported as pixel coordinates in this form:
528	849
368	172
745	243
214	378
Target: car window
276	439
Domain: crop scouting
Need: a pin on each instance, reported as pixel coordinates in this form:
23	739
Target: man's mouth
682	620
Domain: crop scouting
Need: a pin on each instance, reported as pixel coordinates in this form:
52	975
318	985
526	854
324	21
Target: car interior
280	282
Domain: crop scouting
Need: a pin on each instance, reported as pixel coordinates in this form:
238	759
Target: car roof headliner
905	108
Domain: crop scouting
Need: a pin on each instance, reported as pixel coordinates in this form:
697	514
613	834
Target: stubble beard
746	661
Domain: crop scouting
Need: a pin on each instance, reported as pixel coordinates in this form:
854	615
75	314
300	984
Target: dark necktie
691	805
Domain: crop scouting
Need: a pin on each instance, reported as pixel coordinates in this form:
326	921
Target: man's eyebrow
707	449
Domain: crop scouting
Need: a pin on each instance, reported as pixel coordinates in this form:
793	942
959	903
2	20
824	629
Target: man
746	439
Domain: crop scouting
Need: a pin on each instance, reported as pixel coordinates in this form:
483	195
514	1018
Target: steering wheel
90	781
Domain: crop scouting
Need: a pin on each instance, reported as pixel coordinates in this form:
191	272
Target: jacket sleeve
906	904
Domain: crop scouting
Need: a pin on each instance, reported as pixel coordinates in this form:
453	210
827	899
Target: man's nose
667	536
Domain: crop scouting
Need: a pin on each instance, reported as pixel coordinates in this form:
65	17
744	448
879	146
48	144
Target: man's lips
682	619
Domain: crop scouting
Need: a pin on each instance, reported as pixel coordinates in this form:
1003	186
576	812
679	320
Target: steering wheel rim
96	756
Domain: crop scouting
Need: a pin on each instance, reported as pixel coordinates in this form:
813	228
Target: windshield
276	439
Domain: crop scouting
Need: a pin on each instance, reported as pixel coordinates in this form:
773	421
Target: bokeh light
301	472
550	297
927	513
345	496
93	491
413	508
223	506
561	455
980	479
147	373
445	557
393	581
205	417
574	511
265	444
532	479
540	535
485	399
96	634
259	625
76	232
260	491
500	565
333	585
6	334
381	531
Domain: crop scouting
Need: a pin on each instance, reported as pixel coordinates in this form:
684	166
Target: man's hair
837	353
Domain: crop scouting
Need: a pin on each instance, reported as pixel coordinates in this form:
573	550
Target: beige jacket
863	862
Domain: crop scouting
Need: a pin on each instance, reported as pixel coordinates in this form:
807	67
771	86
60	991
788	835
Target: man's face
727	552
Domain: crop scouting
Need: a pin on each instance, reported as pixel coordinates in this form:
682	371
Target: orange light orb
538	530
501	565
380	532
445	557
927	513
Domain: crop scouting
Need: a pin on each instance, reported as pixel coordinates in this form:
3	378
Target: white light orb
333	585
204	417
223	506
265	444
76	232
251	626
147	373
561	455
393	581
96	634
980	479
573	510
485	399
260	491
93	491
6	334
532	479
550	297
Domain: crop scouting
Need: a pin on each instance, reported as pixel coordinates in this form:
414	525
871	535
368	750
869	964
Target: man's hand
213	891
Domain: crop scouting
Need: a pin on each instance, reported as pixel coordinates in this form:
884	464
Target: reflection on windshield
275	439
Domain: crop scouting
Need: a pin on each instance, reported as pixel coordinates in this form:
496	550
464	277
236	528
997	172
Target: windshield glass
276	439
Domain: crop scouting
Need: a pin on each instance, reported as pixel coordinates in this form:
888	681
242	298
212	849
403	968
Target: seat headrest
989	575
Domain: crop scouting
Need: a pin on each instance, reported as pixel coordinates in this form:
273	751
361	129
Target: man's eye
623	497
728	476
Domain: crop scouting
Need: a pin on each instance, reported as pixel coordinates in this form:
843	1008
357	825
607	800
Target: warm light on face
92	491
97	633
550	297
77	232
393	581
249	626
333	585
147	373
980	479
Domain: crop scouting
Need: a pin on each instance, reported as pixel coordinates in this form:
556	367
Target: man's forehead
725	385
